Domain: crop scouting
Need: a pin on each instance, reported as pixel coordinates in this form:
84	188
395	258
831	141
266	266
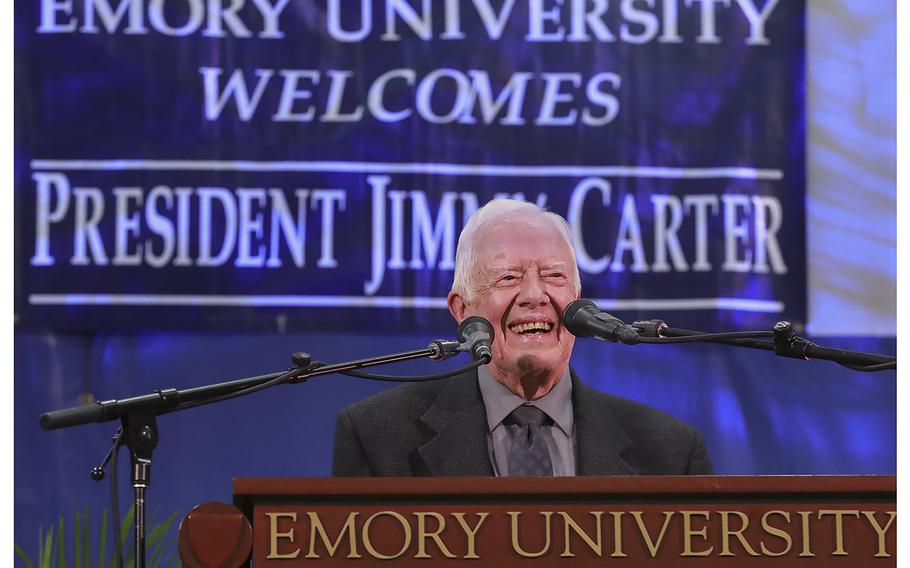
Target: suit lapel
600	440
459	423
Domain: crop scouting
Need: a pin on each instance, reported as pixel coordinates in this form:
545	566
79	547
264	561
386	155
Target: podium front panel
582	521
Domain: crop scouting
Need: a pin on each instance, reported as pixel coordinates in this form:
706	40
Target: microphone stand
784	343
138	414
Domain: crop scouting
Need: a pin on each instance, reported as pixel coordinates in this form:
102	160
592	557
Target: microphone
583	319
476	336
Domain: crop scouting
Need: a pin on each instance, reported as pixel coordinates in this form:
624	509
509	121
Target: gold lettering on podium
617	534
569	523
423	534
470	532
653	547
870	515
775	531
368	543
726	533
807	538
349	529
515	530
449	535
688	533
838	527
274	535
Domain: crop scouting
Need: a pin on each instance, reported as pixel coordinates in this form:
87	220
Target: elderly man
526	413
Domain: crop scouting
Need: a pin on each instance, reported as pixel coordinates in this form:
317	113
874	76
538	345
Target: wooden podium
581	521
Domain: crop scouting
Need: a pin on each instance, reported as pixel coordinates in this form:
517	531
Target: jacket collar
599	437
458	420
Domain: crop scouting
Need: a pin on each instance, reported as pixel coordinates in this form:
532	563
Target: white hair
499	210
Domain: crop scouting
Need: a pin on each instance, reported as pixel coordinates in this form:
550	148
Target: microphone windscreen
576	314
472	325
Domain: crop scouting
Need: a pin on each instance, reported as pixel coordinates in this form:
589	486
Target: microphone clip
441	349
475	334
650	328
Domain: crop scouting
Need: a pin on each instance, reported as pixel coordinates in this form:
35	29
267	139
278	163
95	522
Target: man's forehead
510	246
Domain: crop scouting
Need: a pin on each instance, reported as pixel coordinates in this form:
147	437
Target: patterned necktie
529	455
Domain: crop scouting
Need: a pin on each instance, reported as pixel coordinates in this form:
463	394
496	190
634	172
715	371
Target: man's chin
531	361
536	364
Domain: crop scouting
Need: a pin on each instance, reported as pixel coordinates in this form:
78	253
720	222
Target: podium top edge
873	486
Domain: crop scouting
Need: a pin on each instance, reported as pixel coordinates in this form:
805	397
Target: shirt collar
500	401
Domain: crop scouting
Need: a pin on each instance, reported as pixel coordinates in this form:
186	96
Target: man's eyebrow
505	268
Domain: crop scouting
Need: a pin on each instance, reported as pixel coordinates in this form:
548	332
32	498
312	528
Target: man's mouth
532	327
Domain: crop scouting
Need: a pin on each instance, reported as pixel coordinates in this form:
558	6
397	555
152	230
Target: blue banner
256	164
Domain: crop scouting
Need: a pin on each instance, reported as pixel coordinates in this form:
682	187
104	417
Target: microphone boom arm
583	318
784	343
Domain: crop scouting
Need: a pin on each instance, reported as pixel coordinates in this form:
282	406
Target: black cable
706	337
279	379
871	368
293	373
415	378
115	509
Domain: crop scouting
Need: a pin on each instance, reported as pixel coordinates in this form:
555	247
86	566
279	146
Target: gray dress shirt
557	404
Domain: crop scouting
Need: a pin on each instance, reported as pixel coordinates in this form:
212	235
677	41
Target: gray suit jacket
440	428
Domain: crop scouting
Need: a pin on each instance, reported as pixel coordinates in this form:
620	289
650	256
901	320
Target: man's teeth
532	326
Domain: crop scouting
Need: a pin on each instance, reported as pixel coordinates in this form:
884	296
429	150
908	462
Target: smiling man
526	413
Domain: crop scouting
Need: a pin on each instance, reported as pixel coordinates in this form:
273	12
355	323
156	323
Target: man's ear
456	306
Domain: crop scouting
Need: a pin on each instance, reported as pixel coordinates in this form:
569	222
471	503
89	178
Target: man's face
523	280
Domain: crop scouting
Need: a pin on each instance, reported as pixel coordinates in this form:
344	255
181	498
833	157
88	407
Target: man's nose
533	291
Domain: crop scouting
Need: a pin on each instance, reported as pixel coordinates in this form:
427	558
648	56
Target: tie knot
529	414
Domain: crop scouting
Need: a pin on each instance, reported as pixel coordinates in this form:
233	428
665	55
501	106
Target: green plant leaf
25	559
44	556
61	544
77	541
53	554
102	545
126	526
86	547
155	558
158	541
159	531
40	545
